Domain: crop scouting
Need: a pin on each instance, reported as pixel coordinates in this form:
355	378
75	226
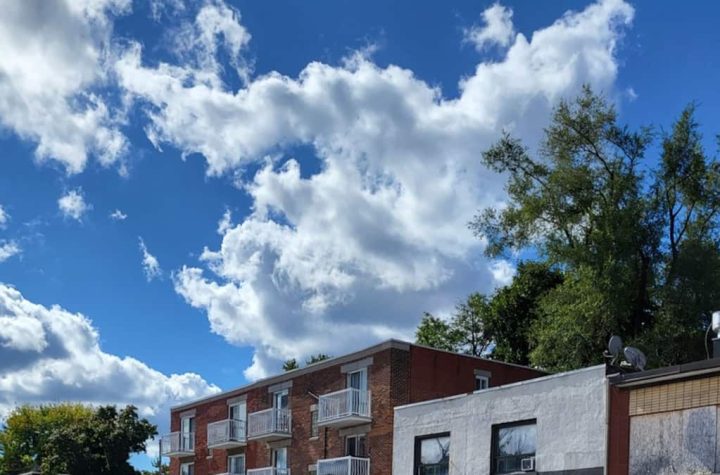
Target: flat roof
670	373
288	375
502	387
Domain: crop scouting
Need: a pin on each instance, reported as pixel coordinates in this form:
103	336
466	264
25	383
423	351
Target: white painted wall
570	409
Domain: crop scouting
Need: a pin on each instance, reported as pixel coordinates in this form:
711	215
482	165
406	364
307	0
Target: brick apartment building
334	417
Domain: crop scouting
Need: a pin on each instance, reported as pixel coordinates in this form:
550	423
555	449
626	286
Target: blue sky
340	137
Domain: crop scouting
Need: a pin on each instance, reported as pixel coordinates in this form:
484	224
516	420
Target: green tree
435	332
73	439
290	365
638	252
317	358
516	308
464	332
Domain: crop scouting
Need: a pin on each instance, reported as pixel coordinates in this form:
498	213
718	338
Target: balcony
348	407
178	444
268	425
226	434
344	466
268	471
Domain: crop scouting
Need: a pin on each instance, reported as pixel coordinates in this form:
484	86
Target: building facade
330	418
665	421
549	425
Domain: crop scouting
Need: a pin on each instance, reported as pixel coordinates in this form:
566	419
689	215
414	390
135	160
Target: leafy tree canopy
72	438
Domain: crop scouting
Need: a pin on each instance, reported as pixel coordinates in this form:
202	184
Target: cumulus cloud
357	251
55	55
118	215
48	354
9	249
4	217
497	30
73	205
150	264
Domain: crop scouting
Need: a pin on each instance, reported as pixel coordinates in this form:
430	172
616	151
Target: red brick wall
618	454
436	374
396	377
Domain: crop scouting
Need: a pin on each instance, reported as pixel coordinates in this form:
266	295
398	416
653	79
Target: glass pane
350	446
280	456
517	440
358	380
237	411
236	465
361	451
281	400
435	450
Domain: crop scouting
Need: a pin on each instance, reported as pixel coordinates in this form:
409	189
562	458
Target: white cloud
4	217
48	354
498	28
502	271
118	215
54	57
73	205
150	264
357	251
8	249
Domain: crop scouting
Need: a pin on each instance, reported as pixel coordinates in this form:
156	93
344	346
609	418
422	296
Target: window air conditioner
527	464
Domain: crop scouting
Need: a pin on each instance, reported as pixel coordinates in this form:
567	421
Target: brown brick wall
436	374
396	377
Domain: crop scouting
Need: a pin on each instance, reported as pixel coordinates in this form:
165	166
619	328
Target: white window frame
274	457
356	437
484	382
190	466
240	456
363	378
238	404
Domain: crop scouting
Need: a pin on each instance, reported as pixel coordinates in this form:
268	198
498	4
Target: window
514	446
187	436
314	431
481	382
187	469
280	458
432	454
236	464
237	411
358	379
356	446
280	399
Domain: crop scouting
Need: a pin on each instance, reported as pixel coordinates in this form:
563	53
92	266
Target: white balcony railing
268	471
345	403
344	466
269	423
177	443
226	433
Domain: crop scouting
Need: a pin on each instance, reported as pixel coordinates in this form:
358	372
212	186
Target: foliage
73	439
317	358
464	332
290	365
638	252
515	309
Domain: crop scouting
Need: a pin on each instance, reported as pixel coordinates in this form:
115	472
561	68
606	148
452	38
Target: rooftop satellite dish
615	346
635	357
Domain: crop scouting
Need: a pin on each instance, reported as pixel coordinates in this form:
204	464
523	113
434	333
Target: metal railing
177	442
269	421
344	466
222	432
344	403
268	471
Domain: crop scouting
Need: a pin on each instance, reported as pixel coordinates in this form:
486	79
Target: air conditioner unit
527	464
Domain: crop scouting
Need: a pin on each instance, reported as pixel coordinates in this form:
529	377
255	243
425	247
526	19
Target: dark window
432	454
514	447
314	423
481	382
355	446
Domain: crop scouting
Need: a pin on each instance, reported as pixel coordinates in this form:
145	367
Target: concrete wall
570	409
678	442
